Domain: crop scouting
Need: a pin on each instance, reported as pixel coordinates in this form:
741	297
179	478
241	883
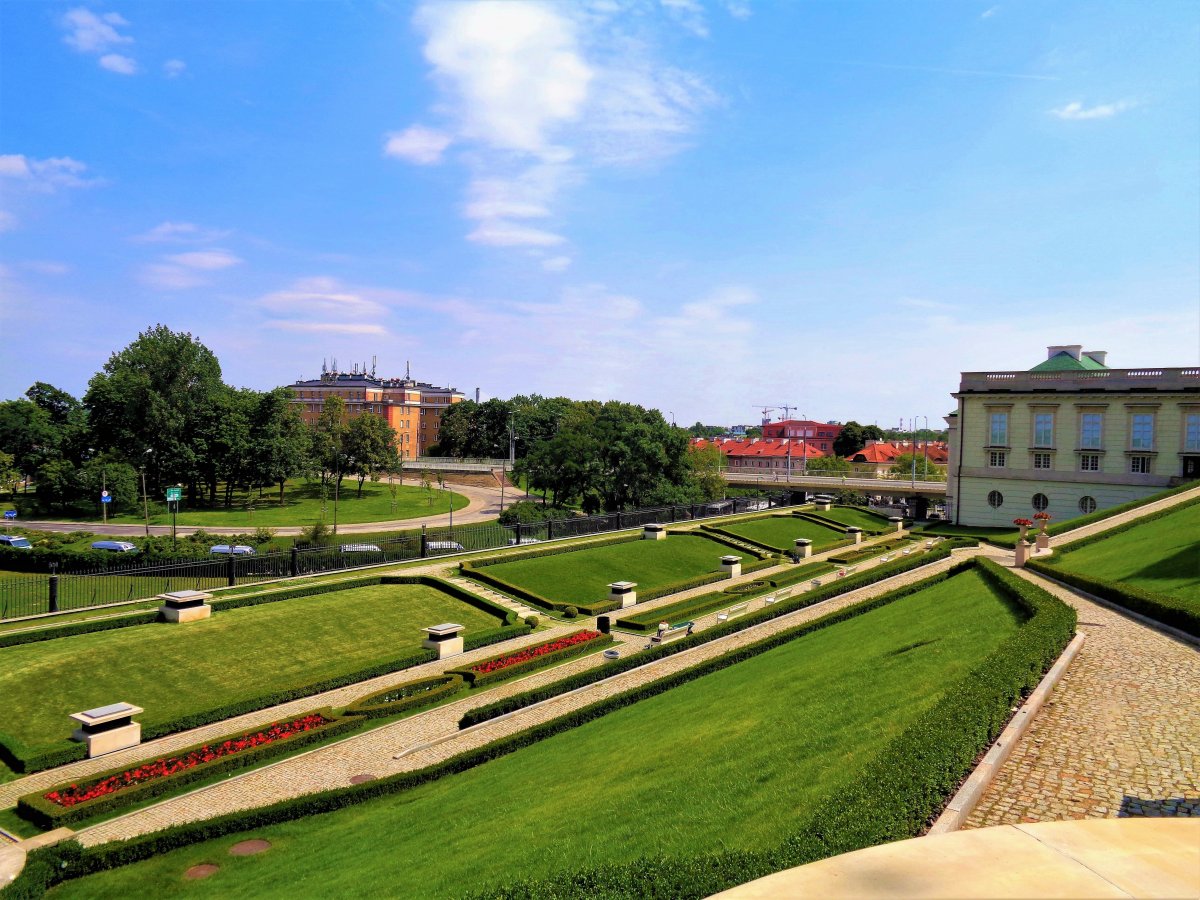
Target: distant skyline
699	207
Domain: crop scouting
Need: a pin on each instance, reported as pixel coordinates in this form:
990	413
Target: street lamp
103	487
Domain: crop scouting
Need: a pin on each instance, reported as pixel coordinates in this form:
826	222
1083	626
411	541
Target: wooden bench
733	612
672	632
816	582
770	599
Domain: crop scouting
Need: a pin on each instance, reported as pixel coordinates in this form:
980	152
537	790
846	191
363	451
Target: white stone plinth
114	739
731	566
803	548
1022	554
445	639
623	592
1043	541
184	613
654	533
823	507
855	534
898	521
108	728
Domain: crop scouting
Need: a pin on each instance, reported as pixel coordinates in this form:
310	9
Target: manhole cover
361	779
195	873
250	847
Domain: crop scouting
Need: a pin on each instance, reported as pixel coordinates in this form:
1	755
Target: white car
359	548
236	550
444	547
115	546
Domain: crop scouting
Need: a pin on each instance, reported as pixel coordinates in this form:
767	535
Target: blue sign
106	499
10	514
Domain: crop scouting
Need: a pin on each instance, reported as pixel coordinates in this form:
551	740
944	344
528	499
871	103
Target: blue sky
701	207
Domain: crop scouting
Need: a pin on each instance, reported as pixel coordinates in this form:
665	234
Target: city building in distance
1069	436
413	408
820	435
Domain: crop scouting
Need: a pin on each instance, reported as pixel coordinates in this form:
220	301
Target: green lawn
1162	555
583	576
735	759
858	518
174	670
302	506
780	533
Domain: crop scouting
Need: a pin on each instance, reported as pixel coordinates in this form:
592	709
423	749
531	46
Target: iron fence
121	581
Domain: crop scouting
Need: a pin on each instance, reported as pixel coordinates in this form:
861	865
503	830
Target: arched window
995	499
1040	502
1087	505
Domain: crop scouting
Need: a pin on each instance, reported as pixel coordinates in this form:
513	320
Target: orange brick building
413	408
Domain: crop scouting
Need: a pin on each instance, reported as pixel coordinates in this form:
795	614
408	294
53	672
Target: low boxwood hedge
800	574
53	632
46	814
866	552
478	679
407	696
895	796
841	526
733	542
1160	607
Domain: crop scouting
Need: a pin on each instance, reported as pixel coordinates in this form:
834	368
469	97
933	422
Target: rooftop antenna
408	370
374	363
787	409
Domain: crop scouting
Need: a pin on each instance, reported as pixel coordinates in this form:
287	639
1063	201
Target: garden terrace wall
47	814
896	796
405	697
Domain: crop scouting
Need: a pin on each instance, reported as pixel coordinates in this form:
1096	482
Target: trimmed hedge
479	679
733	542
802	573
20	758
552	550
868	551
1123	527
1160	607
404	697
921	748
841	526
73	628
45	814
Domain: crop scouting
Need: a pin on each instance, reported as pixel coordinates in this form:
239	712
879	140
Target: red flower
495	665
1024	523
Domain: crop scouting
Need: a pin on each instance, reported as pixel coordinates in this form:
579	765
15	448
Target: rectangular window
1141	432
1139	465
1191	433
996	459
1089	462
1041	460
998	435
1043	430
1090	429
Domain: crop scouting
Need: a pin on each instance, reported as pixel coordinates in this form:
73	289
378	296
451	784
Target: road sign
10	514
174	494
104	498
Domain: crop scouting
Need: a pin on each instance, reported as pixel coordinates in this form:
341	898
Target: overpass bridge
891	487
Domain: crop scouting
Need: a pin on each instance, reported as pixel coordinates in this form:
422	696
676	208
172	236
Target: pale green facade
1068	439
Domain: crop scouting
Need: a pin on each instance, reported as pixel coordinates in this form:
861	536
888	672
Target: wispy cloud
205	259
180	233
181	271
989	12
173	68
556	263
1076	111
98	35
324	304
537	96
690	14
943	70
327	327
45	175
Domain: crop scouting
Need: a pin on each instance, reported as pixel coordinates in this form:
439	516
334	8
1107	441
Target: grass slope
858	518
583	576
732	759
1161	555
780	533
173	670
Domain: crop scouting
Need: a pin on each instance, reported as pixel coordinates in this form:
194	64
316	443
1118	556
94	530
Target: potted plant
1024	525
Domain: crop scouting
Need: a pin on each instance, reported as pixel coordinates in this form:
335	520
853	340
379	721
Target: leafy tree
701	430
753	432
706	464
850	440
111	474
281	442
370	448
57	483
832	464
328	439
907	463
10	476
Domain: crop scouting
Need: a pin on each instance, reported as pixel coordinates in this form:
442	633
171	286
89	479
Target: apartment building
765	456
820	435
413	408
1068	437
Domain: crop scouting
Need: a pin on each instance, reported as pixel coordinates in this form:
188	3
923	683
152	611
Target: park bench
816	582
667	633
734	611
784	594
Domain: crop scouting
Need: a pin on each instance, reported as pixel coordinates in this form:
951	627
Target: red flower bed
169	765
503	662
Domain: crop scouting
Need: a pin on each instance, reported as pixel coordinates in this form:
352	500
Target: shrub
570	612
531	621
408	696
536	656
263	535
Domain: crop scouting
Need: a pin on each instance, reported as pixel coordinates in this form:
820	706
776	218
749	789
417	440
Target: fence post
295	567
549	529
54	590
424	543
618	528
230	571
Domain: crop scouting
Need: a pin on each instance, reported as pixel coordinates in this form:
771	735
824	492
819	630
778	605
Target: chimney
1073	349
1097	356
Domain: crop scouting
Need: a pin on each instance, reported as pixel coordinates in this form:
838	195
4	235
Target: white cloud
173	68
418	144
988	13
90	33
1076	111
323	304
167	277
180	233
689	14
498	233
557	263
207	260
739	9
45	175
122	65
46	267
328	327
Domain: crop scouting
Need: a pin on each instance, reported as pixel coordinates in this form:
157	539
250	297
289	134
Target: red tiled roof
743	448
888	451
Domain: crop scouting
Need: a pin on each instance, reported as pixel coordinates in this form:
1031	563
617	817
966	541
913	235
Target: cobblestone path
1120	735
375	752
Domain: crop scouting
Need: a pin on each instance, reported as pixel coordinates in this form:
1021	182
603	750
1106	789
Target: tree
10	476
28	434
850	440
370	448
753	432
833	464
328	439
57	483
701	430
907	463
108	473
706	464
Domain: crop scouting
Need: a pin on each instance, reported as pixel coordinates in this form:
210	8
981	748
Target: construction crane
787	409
766	413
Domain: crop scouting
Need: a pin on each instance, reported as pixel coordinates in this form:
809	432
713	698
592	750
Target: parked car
16	541
512	542
445	547
359	548
236	550
115	546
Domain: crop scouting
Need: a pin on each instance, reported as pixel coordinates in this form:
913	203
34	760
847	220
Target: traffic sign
174	494
10	514
104	498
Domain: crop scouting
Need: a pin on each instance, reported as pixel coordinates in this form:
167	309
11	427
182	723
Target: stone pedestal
855	534
185	606
803	548
897	521
446	639
654	532
623	592
1022	554
823	507
1043	541
731	566
108	728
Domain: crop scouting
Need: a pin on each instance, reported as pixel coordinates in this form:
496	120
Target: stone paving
376	752
1119	736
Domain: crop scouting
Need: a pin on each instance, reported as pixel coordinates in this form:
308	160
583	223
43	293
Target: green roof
1065	362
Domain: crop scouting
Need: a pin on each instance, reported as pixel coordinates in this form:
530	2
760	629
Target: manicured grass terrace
780	533
583	576
1160	555
858	518
735	759
175	670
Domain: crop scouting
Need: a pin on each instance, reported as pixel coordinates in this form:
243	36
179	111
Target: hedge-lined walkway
374	752
1120	736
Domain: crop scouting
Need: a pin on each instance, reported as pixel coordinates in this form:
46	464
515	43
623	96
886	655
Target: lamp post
145	498
925	464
